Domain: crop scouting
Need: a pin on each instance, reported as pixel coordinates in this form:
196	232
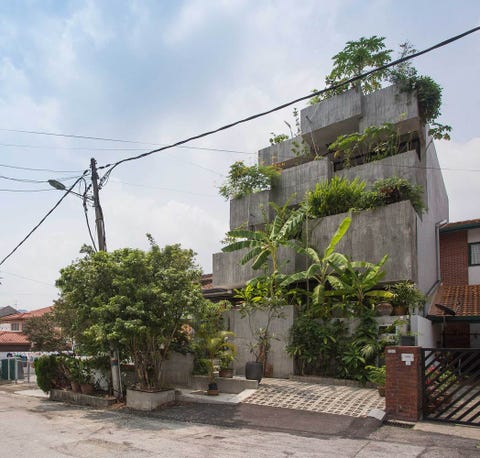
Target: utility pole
102	246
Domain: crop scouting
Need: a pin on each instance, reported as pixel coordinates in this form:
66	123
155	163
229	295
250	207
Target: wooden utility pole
102	246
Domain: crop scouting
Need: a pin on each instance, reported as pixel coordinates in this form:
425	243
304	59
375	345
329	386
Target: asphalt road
33	427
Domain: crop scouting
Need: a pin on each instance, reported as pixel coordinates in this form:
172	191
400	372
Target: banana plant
321	267
264	244
356	282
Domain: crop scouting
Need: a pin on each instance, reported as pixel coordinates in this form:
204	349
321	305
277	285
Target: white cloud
461	172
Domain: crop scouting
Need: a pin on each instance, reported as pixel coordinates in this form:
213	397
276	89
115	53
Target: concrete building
410	240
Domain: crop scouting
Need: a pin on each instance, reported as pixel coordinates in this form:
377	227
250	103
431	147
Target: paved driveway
340	400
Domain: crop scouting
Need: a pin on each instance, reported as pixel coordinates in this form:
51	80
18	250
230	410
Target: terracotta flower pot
384	308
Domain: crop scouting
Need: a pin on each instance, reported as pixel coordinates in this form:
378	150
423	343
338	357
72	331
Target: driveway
340	400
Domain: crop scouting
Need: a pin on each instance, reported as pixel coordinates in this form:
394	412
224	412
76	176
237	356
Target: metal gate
451	385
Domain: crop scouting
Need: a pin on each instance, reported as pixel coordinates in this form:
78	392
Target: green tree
133	299
44	333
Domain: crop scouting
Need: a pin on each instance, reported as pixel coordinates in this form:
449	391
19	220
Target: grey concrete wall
374	233
229	273
296	181
390	105
406	165
278	153
250	210
178	370
423	329
282	363
323	122
437	211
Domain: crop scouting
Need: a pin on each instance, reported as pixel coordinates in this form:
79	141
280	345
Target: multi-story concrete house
410	239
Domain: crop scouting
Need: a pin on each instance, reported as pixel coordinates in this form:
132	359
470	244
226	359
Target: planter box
81	399
147	400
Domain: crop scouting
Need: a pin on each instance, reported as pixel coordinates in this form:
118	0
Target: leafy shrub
316	344
277	139
243	180
337	195
406	294
50	372
377	375
395	189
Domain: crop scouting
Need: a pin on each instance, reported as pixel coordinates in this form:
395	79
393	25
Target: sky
155	72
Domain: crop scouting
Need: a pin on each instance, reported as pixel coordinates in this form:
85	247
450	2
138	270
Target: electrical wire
26	278
38	170
26	190
86	137
43	219
85	211
287	104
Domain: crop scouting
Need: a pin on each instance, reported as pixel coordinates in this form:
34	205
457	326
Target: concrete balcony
279	152
390	230
228	273
296	181
250	210
406	165
352	111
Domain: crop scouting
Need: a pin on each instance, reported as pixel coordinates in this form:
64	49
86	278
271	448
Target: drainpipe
438	225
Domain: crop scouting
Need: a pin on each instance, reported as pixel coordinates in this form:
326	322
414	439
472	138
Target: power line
26	190
86	137
287	104
26	278
38	170
43	219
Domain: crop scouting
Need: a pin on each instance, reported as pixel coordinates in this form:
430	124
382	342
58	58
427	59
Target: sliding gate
451	385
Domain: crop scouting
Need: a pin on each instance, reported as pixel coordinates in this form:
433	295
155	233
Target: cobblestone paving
340	400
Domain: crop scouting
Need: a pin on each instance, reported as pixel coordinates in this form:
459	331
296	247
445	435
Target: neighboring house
455	309
16	321
5	311
409	239
11	342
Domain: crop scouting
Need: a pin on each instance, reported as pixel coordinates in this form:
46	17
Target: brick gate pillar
403	388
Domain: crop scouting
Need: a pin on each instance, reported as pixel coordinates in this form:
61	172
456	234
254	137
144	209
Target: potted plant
226	359
216	347
407	298
377	375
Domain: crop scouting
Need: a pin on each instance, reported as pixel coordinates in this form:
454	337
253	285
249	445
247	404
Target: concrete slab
36	393
199	396
468	432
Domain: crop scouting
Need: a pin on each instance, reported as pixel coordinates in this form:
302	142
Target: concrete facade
242	327
411	240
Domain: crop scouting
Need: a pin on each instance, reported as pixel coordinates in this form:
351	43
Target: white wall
474	271
423	329
474	335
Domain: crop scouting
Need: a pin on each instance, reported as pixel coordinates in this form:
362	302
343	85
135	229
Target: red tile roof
13	338
460	224
27	315
464	300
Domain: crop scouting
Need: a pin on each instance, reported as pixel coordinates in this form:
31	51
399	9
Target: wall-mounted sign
407	358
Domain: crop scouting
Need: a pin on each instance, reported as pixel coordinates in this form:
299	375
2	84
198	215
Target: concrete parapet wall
229	273
178	369
278	153
374	233
282	363
250	210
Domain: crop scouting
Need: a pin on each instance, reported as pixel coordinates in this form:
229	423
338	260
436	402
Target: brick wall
454	258
403	389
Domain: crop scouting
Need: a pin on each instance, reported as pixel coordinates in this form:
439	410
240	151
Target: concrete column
403	390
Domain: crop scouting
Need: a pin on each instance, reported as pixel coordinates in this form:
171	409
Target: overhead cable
111	166
43	219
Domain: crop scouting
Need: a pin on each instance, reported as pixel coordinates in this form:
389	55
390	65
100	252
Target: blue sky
159	71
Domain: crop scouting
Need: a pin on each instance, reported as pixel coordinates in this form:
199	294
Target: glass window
15	327
474	254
